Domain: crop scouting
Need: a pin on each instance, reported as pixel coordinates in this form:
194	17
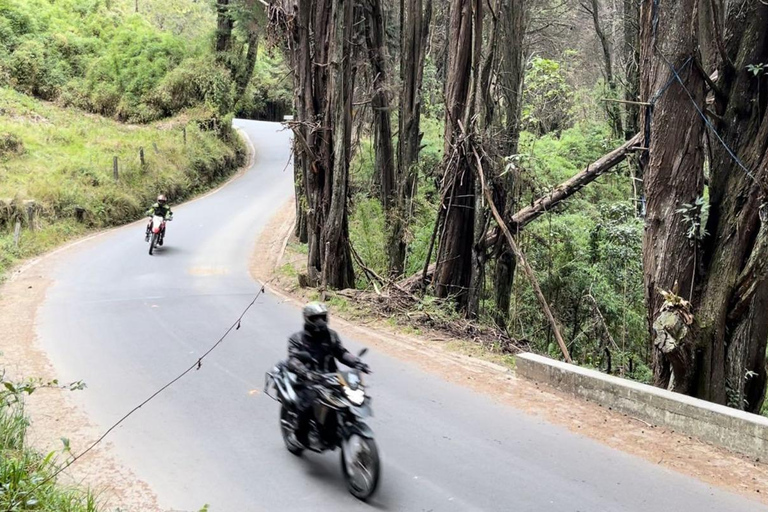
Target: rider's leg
304	413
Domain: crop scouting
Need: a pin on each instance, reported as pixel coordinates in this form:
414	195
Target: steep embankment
57	176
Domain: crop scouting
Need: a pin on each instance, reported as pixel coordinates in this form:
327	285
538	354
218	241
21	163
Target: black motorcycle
339	412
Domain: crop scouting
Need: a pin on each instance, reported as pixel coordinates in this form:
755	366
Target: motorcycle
340	409
156	232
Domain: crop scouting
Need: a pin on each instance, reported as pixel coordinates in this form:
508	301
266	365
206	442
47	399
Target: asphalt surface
126	323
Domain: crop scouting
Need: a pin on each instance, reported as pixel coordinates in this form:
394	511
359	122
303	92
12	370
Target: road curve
126	323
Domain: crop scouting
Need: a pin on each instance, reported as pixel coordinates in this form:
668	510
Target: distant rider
161	209
323	347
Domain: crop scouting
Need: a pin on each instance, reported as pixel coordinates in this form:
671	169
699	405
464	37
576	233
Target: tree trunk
340	89
224	25
732	320
511	79
385	153
454	256
414	33
321	49
612	109
673	171
631	66
250	60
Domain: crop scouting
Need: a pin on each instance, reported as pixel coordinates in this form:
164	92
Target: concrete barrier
729	428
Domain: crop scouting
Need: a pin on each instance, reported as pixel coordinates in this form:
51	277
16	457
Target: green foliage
89	54
757	69
368	226
66	168
694	217
23	472
547	97
102	57
270	92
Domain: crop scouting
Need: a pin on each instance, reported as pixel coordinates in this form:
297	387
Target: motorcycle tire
152	243
289	436
363	492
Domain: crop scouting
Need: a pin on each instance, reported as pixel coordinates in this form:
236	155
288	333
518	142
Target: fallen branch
521	260
567	188
545	203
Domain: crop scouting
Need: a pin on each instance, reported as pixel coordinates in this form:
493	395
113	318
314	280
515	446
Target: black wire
197	364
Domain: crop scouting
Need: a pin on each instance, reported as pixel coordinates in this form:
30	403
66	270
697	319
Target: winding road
126	323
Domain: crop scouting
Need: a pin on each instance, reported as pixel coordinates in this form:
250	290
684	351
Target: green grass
23	471
63	161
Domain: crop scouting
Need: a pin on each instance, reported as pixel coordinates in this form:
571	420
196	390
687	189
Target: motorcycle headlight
356	396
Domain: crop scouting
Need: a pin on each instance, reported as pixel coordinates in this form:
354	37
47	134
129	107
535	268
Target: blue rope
706	120
669	82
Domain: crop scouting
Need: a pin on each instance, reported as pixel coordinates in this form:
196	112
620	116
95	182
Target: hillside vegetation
102	57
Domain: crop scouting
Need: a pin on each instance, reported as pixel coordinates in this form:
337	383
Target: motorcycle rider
323	347
162	209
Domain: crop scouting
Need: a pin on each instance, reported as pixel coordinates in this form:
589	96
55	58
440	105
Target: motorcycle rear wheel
288	430
362	474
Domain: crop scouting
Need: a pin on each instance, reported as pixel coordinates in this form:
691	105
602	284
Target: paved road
125	323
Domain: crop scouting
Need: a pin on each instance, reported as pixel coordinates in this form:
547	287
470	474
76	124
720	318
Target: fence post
17	234
154	144
184	132
30	208
141	156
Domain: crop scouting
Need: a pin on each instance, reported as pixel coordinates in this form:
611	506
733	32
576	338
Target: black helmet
161	199
315	317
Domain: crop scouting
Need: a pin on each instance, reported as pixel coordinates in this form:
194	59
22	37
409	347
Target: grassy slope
65	166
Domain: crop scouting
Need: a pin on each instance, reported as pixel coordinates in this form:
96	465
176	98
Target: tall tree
631	28
454	256
320	40
224	24
673	166
511	82
733	285
375	38
715	348
593	7
415	22
251	14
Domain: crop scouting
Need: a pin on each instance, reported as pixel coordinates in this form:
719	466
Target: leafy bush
547	97
24	473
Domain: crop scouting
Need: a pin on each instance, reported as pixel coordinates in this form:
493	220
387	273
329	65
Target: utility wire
195	366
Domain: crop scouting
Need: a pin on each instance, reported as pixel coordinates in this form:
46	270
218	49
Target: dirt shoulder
466	364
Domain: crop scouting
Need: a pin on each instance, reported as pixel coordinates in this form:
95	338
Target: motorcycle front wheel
361	466
152	243
288	430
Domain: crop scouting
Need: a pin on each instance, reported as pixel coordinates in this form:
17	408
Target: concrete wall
735	430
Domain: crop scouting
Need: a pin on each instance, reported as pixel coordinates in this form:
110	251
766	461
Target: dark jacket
323	352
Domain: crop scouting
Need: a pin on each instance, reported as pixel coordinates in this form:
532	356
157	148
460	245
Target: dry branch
521	260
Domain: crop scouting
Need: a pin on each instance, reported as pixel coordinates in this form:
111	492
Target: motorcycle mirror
362	352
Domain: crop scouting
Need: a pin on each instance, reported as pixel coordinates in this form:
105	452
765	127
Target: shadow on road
327	470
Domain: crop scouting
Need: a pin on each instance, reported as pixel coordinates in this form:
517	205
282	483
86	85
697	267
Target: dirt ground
480	371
